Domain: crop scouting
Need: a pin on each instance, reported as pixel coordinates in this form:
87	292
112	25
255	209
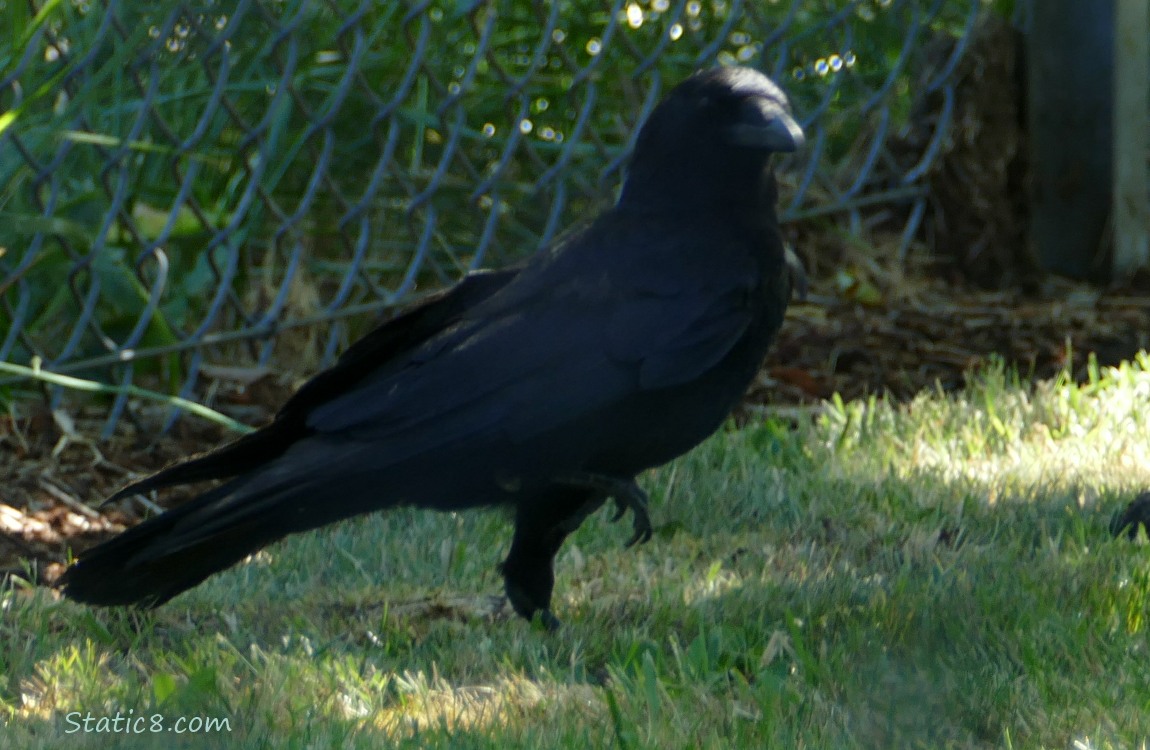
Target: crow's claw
627	496
641	522
1136	514
549	621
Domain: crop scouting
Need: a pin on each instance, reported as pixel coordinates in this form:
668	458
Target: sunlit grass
932	574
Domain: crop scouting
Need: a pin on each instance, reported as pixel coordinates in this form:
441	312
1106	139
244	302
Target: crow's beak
764	123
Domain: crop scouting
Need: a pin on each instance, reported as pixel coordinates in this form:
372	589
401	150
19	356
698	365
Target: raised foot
627	496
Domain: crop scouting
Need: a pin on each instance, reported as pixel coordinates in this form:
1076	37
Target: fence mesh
180	183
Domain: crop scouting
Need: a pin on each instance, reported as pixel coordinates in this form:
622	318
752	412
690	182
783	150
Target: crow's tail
163	556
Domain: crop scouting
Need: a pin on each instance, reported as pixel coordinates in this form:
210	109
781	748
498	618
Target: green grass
935	574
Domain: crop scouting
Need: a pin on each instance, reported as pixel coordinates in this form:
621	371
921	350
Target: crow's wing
529	362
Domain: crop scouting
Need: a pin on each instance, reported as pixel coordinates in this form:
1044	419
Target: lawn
934	573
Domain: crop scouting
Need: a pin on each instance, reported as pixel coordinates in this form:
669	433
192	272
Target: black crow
545	388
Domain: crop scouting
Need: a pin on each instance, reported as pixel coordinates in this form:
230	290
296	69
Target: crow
545	388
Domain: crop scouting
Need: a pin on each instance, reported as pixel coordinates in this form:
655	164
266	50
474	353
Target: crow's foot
1136	514
627	496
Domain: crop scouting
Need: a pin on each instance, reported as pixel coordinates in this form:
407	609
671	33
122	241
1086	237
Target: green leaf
163	687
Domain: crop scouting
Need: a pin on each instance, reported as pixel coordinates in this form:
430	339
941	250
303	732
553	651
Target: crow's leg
540	528
625	492
1136	514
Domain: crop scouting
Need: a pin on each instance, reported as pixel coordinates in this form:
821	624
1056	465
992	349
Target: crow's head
708	142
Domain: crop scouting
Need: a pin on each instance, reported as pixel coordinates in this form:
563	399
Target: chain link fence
183	183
